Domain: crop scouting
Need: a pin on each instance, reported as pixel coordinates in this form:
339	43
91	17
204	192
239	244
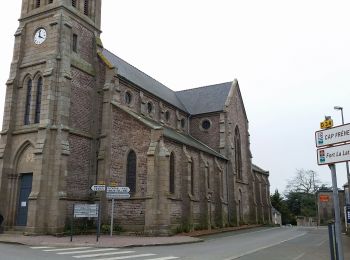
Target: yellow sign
327	124
101	182
113	184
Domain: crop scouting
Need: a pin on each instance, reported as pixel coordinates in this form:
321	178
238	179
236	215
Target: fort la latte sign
334	154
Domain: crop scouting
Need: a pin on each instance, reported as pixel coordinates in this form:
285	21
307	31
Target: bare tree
305	181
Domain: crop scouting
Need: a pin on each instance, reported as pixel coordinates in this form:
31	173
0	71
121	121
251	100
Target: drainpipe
228	196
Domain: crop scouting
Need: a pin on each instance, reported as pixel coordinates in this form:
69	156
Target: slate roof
205	99
143	80
193	101
258	169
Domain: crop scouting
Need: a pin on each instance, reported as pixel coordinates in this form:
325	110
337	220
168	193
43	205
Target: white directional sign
98	187
118	189
115	195
85	210
333	154
335	135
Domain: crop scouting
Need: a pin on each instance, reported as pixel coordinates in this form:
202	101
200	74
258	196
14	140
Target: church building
78	115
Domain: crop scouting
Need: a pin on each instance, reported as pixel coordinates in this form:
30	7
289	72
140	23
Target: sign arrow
98	187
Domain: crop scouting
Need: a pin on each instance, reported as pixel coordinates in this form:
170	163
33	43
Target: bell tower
50	125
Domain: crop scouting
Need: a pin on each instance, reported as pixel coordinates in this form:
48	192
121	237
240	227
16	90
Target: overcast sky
291	59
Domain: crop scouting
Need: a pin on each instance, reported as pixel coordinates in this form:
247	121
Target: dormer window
86	7
149	107
128	98
183	122
167	115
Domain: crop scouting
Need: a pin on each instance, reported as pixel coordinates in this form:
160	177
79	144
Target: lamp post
347	164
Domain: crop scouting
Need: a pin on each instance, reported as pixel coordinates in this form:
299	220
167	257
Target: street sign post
97	187
114	193
330	154
333	154
118	189
327	123
334	135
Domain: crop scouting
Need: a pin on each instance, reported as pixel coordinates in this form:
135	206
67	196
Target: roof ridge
184	90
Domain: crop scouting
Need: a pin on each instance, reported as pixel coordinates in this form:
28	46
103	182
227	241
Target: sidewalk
115	241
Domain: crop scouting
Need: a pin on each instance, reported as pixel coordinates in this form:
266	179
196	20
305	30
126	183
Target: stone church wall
79	167
130	212
236	117
210	137
82	91
138	104
86	42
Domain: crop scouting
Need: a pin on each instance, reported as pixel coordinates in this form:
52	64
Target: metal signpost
334	150
114	193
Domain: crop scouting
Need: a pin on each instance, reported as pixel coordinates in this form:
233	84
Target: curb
198	240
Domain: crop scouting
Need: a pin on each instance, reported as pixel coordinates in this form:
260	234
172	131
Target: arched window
192	177
131	171
207	173
28	100
37	3
240	206
172	174
74	3
238	154
38	100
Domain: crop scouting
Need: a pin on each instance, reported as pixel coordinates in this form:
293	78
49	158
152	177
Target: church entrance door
25	190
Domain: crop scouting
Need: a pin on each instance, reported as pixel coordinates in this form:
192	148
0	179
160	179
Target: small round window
206	124
167	115
128	98
183	123
149	107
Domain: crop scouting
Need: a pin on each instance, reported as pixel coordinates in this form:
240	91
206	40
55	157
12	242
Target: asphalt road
270	244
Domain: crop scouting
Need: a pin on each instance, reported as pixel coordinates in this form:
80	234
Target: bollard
331	240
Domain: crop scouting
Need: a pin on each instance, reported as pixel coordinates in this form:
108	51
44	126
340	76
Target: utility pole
347	163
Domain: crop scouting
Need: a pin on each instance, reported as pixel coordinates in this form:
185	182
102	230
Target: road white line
163	258
126	257
41	247
320	244
264	247
65	249
87	251
299	256
104	254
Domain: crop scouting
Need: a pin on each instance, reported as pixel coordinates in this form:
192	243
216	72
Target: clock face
40	36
